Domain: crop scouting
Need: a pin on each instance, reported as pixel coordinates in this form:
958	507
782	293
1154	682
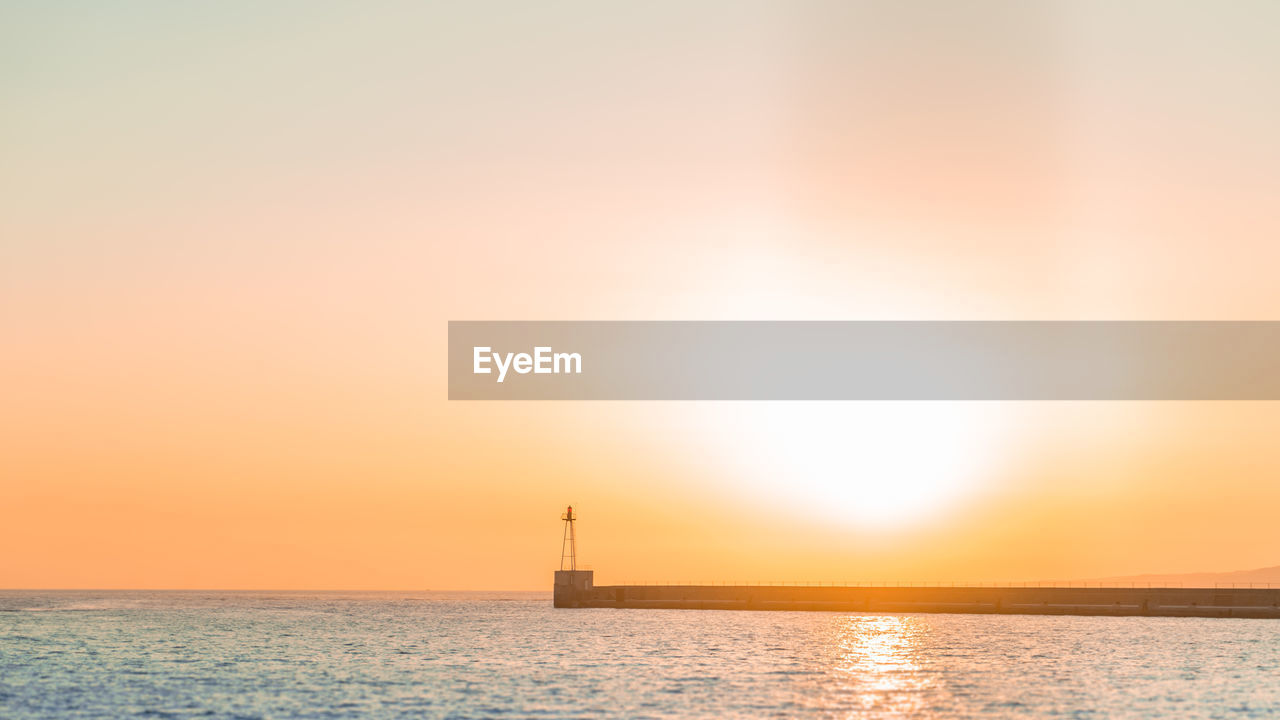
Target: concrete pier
577	590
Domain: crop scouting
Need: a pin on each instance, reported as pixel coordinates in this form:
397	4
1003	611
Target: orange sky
230	243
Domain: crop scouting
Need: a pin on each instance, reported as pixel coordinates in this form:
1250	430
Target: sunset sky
232	236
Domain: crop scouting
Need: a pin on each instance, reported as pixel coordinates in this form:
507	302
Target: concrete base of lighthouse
572	587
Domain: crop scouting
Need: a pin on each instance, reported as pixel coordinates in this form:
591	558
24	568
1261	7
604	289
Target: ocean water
486	655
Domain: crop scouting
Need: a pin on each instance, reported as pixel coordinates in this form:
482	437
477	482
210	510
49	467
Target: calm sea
483	655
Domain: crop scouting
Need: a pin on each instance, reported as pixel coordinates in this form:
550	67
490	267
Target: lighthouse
571	583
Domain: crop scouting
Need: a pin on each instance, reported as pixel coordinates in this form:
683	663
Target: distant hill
1239	578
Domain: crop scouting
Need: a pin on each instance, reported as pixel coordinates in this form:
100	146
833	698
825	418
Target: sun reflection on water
877	665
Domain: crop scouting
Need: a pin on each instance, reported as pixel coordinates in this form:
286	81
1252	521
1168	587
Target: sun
860	464
869	464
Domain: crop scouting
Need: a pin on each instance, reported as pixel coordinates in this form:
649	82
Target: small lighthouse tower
571	583
569	545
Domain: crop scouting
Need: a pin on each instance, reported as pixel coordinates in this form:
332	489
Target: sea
180	654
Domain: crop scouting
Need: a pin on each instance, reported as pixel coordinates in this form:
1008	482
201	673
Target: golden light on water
878	664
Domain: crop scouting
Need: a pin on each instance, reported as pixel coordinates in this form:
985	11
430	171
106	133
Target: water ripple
483	655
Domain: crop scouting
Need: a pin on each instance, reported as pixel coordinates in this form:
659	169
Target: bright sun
863	464
873	464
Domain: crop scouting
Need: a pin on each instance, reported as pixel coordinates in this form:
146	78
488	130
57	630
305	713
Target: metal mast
569	546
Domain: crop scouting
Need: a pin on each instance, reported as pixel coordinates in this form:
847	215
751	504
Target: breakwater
576	589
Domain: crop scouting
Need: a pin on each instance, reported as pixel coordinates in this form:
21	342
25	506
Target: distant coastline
1267	575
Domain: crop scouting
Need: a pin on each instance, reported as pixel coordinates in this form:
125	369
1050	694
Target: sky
232	236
